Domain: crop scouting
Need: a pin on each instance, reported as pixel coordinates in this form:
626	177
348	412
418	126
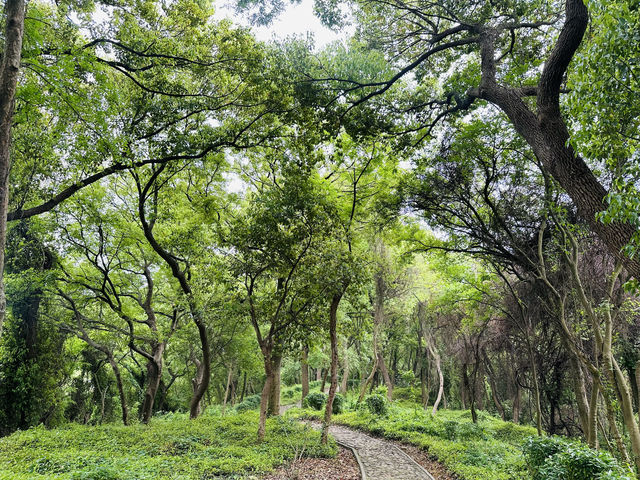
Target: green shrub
249	403
557	459
377	404
338	404
407	393
315	400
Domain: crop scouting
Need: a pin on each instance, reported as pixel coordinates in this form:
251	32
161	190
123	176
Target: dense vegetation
433	224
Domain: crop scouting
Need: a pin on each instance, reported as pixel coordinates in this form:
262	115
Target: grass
171	447
488	450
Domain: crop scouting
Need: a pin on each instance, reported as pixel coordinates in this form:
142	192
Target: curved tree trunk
154	374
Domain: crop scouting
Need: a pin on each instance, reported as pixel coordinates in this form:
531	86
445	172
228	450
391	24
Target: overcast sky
297	19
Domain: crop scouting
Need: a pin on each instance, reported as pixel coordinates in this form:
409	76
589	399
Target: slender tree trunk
592	432
195	406
637	380
274	394
436	358
333	385
226	391
424	393
304	374
244	385
345	372
123	399
536	391
195	384
9	72
369	379
385	376
517	398
264	400
154	374
324	380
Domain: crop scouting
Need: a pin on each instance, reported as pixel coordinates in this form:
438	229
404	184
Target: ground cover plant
172	447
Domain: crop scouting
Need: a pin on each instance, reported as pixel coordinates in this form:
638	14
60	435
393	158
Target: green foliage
315	400
338	404
377	404
249	403
553	458
410	394
171	447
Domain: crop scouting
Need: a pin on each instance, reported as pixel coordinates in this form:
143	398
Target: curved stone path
378	458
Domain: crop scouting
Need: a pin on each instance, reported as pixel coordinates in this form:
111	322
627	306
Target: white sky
296	20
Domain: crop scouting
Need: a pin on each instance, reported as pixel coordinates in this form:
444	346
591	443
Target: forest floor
343	467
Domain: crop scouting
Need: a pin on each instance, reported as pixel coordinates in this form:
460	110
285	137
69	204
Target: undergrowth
172	447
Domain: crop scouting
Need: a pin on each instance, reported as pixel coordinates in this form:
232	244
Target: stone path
379	459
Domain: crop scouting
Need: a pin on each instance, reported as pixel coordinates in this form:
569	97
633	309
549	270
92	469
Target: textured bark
264	401
274	392
154	374
333	385
546	132
9	72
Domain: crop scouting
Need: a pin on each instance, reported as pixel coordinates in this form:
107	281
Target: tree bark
304	374
123	398
333	385
154	374
436	358
345	372
546	132
274	393
264	401
226	391
9	72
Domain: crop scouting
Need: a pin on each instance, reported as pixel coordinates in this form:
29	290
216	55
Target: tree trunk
369	379
494	386
264	401
637	379
517	397
154	374
9	72
195	384
324	380
205	375
123	399
333	385
345	373
470	393
436	358
536	391
226	391
274	394
304	374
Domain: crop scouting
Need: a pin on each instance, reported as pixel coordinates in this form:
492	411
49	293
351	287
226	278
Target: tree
498	45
